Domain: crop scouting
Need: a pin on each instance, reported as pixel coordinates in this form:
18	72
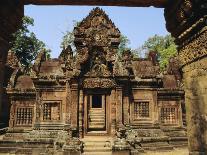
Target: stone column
119	108
187	22
74	107
193	58
126	104
81	105
113	111
195	80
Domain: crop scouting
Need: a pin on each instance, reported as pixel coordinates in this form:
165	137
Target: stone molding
196	49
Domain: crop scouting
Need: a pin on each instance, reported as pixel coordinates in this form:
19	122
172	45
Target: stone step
96	114
97	109
97	143
97	126
97	149
97	123
157	146
94	119
97	153
97	118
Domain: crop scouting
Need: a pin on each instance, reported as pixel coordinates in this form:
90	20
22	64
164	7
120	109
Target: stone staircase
96	145
96	119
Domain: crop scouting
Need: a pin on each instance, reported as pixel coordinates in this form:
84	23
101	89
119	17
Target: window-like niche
168	115
141	110
51	111
24	116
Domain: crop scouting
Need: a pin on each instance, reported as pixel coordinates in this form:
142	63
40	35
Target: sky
138	24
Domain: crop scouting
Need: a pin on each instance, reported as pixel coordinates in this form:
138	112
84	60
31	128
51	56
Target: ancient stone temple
66	103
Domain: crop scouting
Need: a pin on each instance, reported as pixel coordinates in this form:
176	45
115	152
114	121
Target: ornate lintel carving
98	83
196	49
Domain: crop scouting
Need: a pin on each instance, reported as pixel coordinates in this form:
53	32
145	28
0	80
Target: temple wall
146	98
18	107
195	76
174	107
58	98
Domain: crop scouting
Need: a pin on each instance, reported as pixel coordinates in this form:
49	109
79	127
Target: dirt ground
180	151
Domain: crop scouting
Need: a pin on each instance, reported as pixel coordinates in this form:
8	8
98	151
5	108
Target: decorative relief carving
182	16
67	57
42	56
194	50
187	6
83	55
97	40
12	60
98	83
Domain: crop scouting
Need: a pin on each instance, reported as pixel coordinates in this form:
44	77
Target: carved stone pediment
98	83
96	40
99	70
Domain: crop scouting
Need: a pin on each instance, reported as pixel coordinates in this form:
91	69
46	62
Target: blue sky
138	24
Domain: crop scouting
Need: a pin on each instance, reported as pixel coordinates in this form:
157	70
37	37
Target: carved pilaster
126	110
12	115
74	106
81	118
113	111
119	104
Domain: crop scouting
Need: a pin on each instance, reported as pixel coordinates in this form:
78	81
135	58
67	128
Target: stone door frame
87	94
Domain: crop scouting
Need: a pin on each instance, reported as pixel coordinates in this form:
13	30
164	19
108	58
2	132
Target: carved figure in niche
66	54
99	68
41	57
98	65
82	57
111	55
98	22
67	57
127	61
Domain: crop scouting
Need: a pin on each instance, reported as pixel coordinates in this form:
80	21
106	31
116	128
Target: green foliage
165	47
68	38
25	45
123	46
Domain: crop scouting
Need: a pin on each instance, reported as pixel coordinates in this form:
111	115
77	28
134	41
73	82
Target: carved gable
97	30
97	40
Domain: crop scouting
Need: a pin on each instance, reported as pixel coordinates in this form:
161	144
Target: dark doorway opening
97	101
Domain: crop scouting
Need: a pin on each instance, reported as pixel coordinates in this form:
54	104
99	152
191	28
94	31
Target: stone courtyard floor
180	151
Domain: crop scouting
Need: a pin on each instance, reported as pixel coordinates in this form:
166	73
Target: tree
124	43
68	37
26	45
165	47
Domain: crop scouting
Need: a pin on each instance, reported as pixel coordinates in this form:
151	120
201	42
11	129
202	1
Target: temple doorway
95	114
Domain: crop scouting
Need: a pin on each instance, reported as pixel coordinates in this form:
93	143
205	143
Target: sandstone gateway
64	101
